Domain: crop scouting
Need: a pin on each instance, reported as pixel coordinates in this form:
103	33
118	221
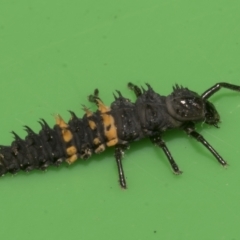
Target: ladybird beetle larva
115	126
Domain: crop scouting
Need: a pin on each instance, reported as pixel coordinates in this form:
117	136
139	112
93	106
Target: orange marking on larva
60	122
101	107
110	130
71	151
96	141
87	111
112	142
67	135
72	159
92	124
100	149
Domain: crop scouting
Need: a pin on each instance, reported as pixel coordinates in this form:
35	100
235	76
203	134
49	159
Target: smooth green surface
55	53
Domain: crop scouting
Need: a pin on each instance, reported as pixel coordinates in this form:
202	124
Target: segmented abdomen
65	142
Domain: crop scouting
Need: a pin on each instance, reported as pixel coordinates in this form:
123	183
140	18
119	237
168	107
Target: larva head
185	105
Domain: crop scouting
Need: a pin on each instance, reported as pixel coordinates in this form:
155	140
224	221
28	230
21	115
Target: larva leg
160	143
191	131
119	152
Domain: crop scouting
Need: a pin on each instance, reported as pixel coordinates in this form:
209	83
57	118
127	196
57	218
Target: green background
53	54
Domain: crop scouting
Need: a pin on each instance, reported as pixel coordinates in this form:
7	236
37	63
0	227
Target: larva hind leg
157	140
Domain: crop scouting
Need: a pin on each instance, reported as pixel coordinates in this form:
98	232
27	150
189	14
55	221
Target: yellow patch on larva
110	130
72	159
92	124
96	141
101	107
67	135
71	151
100	149
60	122
112	142
88	112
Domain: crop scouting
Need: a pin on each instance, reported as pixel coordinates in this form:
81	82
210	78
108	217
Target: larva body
118	125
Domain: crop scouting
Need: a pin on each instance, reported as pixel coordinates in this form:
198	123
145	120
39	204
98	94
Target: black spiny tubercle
118	125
